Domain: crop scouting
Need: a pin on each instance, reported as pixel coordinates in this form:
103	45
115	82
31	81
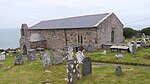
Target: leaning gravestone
73	71
70	55
46	60
80	57
118	71
57	58
130	47
86	66
19	60
2	56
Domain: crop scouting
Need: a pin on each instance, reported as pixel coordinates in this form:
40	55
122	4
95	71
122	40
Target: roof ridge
75	17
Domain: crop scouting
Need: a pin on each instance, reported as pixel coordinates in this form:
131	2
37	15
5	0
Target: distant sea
9	38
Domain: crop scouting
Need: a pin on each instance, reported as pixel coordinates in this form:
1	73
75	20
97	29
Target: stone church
89	31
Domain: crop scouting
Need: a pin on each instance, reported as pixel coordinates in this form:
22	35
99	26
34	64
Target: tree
146	31
129	32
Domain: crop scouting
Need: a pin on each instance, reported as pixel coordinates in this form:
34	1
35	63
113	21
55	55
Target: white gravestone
70	55
130	47
80	57
2	56
104	52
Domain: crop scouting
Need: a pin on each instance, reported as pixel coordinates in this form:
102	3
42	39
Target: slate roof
86	21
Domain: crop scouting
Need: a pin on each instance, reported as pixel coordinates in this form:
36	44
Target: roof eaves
102	20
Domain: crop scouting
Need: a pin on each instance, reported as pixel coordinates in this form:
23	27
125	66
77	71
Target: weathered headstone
118	71
134	47
80	57
32	56
70	55
2	56
19	60
46	60
73	71
41	54
86	66
57	58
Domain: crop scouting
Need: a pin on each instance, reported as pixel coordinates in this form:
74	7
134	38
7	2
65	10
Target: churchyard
57	67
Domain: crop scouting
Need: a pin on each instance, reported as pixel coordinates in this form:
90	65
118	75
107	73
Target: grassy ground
33	73
141	57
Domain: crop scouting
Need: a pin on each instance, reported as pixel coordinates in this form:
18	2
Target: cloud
14	12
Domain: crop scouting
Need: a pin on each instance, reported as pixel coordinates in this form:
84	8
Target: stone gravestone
89	48
41	54
19	60
104	52
119	56
46	60
57	58
73	71
86	66
134	47
32	56
70	55
80	57
2	56
118	71
130	47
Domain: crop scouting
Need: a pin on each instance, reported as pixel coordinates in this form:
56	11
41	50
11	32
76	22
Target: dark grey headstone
86	66
57	58
73	71
89	48
19	60
118	71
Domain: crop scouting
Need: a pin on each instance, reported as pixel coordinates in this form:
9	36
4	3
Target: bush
129	32
146	31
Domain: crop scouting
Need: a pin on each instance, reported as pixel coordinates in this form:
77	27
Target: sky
132	13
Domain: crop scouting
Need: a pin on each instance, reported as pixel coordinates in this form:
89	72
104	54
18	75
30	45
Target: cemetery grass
33	73
141	57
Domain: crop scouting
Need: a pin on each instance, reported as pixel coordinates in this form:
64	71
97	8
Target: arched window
112	36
